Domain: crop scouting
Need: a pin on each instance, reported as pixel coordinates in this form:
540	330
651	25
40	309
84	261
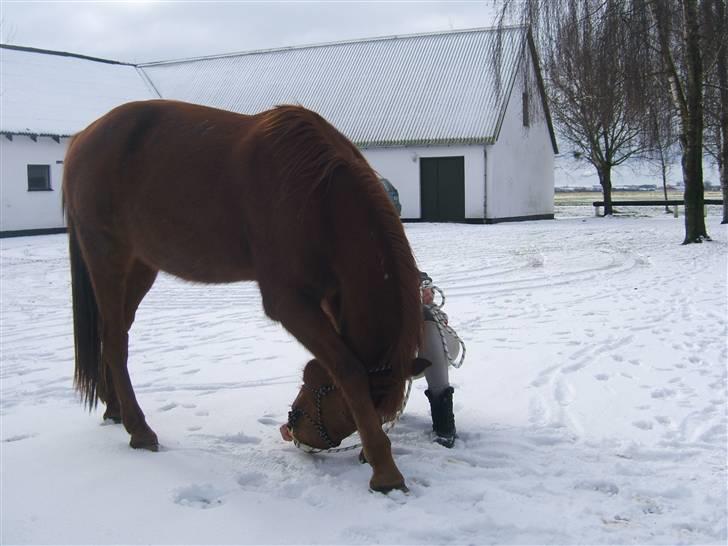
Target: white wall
401	166
20	208
520	179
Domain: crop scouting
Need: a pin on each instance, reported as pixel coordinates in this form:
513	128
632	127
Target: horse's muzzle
286	432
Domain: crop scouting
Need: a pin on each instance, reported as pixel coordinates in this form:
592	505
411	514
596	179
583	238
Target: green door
442	189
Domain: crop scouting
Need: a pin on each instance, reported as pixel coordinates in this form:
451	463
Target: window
39	177
526	121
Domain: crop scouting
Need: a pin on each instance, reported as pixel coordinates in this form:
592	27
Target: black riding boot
443	419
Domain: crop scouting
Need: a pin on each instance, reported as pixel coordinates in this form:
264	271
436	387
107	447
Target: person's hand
427	296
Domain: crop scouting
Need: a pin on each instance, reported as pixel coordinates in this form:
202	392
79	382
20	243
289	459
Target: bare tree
677	31
663	142
585	67
666	39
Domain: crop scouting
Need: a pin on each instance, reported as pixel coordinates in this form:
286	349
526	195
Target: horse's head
320	418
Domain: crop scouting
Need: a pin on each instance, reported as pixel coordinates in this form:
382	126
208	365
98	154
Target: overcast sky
149	31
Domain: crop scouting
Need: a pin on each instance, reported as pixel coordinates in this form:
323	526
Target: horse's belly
198	256
220	273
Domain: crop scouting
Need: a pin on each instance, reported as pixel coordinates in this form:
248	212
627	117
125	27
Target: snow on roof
435	88
432	88
58	94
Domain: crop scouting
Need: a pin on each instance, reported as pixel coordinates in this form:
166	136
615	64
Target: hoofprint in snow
591	408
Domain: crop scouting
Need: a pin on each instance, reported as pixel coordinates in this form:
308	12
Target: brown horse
281	198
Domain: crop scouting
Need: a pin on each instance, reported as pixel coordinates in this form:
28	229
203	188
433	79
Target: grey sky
148	31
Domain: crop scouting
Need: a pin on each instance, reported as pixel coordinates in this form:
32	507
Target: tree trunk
722	71
663	171
692	129
724	183
605	179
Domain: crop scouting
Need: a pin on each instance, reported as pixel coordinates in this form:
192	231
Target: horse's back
166	180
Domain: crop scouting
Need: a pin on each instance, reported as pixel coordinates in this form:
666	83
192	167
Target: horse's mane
320	157
309	155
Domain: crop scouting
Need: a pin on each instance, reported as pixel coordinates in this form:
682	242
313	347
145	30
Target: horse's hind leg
138	282
111	273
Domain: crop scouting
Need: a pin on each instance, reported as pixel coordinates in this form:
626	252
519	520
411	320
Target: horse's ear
418	366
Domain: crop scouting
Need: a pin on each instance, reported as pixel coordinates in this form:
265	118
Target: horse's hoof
389	488
145	441
362	457
112	416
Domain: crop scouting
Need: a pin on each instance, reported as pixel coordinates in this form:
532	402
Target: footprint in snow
563	392
662	393
168	407
241	438
198	496
607	488
651	507
250	480
643	425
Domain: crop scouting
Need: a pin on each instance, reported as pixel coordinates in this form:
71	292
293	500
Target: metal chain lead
389	425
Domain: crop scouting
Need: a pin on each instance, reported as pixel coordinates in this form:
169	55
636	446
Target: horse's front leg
352	379
310	325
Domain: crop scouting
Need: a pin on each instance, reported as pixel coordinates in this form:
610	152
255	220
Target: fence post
676	211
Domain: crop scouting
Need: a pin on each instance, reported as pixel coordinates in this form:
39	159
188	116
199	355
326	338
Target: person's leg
439	392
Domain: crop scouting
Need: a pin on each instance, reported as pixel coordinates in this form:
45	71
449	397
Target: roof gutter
34	136
61	54
424	142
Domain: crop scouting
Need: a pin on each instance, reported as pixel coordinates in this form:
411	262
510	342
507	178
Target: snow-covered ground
591	407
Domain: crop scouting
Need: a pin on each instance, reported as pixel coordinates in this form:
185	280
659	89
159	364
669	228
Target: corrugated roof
419	89
58	94
436	88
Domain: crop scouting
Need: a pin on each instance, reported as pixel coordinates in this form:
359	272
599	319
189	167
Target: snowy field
591	407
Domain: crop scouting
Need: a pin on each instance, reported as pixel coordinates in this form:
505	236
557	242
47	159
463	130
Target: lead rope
443	328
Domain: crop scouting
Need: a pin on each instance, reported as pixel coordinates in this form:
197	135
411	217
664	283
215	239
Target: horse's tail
86	335
378	279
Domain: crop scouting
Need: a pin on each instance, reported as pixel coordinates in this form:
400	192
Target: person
439	391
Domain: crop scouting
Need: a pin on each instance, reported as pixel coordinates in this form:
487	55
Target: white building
45	97
461	137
